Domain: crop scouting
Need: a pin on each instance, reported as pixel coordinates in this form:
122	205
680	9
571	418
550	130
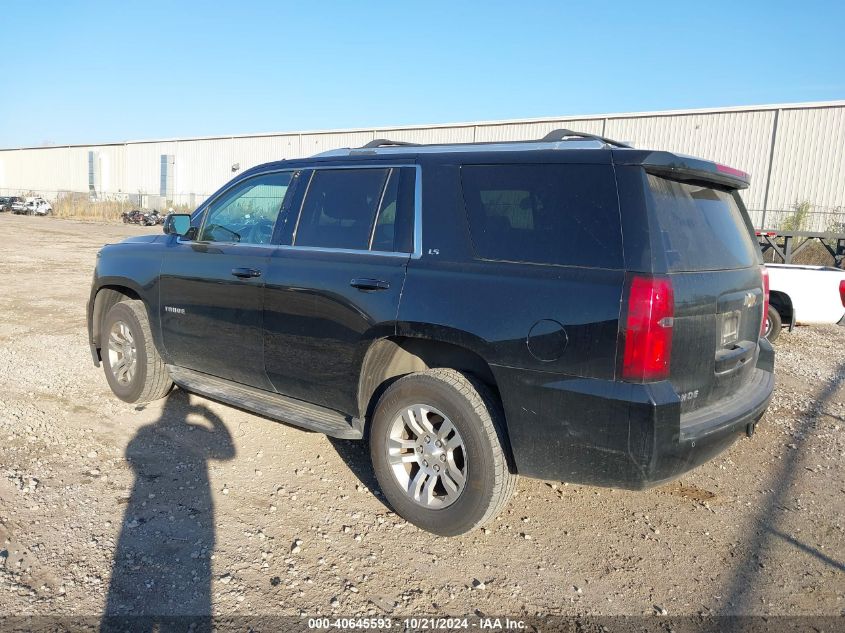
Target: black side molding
289	410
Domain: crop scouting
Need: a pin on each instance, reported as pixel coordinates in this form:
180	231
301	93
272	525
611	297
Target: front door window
247	213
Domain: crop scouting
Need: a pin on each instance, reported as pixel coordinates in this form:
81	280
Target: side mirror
177	224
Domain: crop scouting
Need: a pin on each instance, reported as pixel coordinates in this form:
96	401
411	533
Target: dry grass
81	208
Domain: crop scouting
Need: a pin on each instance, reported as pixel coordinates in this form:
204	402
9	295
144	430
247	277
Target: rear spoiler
680	167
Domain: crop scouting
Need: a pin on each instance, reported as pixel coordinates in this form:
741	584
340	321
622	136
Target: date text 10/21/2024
417	623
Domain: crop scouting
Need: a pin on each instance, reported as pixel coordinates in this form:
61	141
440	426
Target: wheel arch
108	295
392	357
782	302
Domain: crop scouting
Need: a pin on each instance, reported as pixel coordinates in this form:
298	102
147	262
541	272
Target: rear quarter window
562	214
701	227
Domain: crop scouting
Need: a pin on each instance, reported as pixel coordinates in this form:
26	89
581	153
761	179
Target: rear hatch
702	234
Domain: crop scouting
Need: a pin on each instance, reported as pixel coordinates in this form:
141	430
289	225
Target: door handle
245	273
369	284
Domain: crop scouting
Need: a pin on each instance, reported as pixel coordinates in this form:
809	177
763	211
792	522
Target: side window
247	213
563	214
340	208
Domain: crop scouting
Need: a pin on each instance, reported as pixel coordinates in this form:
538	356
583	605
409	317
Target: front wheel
439	451
134	370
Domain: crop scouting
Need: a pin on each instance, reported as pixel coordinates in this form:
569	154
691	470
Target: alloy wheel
123	354
427	456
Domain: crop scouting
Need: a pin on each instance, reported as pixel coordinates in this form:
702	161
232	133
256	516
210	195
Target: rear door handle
246	273
369	284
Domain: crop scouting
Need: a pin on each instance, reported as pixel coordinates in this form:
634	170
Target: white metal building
794	152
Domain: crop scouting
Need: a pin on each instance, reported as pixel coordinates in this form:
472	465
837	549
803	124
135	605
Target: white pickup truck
804	295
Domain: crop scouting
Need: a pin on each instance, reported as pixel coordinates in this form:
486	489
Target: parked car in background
804	295
37	206
18	205
33	205
469	308
5	203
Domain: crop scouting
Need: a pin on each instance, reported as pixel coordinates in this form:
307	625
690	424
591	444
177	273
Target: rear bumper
609	433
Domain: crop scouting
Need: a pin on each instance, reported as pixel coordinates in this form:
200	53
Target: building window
93	174
167	176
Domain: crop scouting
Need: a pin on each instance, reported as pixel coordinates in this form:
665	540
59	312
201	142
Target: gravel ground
188	505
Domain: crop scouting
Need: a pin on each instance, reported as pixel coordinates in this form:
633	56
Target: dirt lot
188	504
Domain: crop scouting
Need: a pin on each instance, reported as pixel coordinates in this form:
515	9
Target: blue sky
75	72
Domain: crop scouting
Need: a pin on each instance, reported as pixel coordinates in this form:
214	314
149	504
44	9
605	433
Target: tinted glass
549	214
247	212
340	208
701	228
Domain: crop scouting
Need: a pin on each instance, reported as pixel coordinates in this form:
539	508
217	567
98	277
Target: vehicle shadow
742	588
161	572
356	455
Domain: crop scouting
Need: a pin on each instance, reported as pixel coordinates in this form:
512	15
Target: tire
477	424
773	324
148	379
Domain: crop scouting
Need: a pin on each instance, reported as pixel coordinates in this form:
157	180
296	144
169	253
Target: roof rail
556	136
563	134
383	142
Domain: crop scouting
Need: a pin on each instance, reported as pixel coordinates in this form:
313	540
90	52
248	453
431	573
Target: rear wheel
773	324
133	368
439	452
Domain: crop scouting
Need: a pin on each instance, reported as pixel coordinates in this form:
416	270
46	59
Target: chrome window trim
349	251
380	208
417	213
293	235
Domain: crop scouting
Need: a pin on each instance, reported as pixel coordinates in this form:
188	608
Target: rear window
547	214
701	228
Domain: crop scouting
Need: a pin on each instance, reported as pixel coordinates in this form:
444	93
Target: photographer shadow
161	572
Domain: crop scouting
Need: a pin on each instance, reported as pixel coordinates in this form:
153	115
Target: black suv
569	309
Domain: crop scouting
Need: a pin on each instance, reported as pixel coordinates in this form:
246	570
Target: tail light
648	329
765	272
842	292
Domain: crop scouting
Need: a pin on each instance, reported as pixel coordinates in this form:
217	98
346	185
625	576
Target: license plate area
730	327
